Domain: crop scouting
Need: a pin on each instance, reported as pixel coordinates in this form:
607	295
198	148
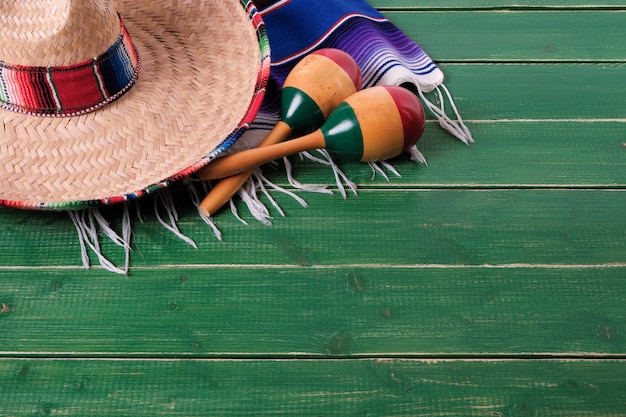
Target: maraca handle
222	192
227	187
246	160
216	168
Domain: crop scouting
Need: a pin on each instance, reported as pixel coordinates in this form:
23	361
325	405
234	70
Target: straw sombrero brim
204	65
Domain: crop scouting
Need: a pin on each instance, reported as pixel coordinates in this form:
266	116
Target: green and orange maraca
312	90
371	125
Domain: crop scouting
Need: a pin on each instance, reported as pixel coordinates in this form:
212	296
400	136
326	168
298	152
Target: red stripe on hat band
74	89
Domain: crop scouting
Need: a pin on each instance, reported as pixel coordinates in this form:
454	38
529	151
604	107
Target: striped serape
385	54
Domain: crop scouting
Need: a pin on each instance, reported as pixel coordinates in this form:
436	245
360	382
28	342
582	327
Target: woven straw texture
201	80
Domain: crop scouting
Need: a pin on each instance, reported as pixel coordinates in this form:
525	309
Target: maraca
372	125
312	90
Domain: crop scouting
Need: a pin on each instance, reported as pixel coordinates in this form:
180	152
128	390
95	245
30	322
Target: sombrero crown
84	126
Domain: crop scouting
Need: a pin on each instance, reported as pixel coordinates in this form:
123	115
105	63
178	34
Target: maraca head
316	86
411	113
375	124
345	62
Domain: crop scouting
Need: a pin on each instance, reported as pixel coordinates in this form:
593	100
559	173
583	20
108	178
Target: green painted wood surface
386	388
505	92
427	226
571	36
509	154
489	283
354	311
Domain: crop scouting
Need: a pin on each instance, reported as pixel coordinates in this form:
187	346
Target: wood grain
348	311
390	388
525	35
427	226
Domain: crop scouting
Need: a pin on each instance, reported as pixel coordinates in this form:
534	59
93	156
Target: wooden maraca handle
225	189
222	192
251	158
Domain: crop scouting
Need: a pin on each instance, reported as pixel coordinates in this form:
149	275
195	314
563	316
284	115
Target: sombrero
104	101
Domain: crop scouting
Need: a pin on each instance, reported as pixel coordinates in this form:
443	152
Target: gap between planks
612	265
308	357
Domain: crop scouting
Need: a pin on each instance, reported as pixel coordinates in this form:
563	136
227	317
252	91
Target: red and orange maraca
371	125
312	90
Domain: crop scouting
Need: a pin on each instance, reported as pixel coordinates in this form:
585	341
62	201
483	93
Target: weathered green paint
547	36
349	310
394	226
380	388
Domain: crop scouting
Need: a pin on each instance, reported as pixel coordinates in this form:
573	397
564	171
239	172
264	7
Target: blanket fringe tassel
438	108
89	225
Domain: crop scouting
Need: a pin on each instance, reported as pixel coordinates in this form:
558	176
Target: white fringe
252	192
341	179
456	127
80	229
298	185
197	200
381	168
87	223
417	156
167	201
233	209
250	196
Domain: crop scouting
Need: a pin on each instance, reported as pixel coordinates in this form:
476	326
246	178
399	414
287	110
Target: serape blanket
385	54
296	28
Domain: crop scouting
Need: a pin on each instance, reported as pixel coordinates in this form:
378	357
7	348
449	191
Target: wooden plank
552	36
567	154
564	92
316	388
347	311
387	227
438	226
